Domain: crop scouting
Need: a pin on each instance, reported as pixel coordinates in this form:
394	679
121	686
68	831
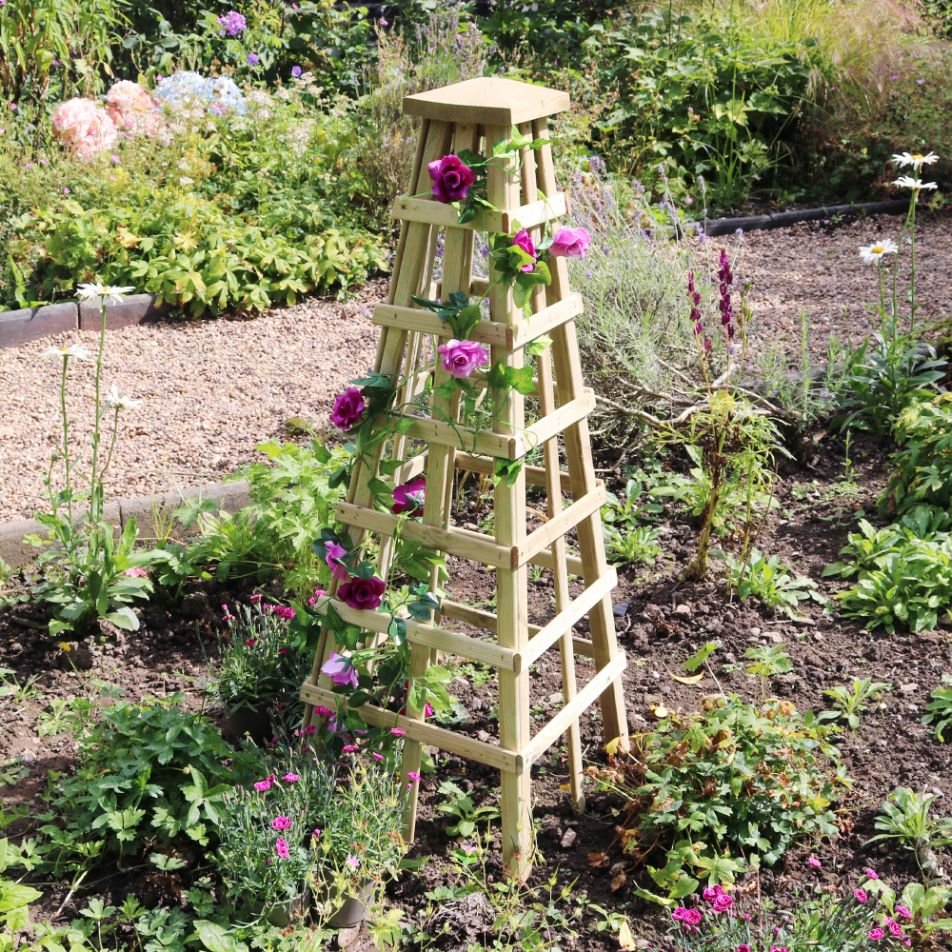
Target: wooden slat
563	622
426	322
535	475
420	731
563	523
455	541
428	211
553	424
472	649
547	319
585	698
483	442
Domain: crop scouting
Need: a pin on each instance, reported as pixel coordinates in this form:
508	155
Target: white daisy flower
76	351
114	399
906	181
108	293
872	254
915	159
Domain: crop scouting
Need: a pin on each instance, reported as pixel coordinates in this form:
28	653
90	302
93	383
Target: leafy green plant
15	898
850	702
333	829
85	572
939	708
903	571
292	498
923	462
461	808
767	579
906	820
261	668
735	779
146	774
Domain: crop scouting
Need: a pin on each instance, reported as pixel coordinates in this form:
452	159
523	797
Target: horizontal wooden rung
424	733
428	211
535	475
566	619
552	424
426	322
482	442
563	523
456	541
569	714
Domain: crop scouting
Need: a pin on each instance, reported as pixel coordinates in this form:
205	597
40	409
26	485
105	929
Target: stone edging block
20	327
134	309
230	497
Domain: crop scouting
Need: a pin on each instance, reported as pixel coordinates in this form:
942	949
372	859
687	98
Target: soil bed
661	619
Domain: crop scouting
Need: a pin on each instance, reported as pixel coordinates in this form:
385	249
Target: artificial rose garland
524	241
362	593
452	178
340	670
409	497
348	408
334	552
462	357
570	243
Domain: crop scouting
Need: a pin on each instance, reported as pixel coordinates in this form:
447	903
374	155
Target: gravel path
211	390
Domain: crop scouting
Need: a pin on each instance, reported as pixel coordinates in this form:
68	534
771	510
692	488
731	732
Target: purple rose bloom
348	408
340	670
334	554
232	23
452	178
362	593
253	59
296	72
570	243
409	497
524	241
462	357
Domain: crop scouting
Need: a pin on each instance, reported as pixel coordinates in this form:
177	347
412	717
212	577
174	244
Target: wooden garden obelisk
547	431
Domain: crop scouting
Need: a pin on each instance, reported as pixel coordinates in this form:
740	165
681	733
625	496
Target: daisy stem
65	416
911	224
95	483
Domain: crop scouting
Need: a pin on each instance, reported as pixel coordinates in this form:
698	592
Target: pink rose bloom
281	823
133	110
281	848
895	929
570	243
348	408
335	552
524	241
84	127
462	357
362	593
340	670
722	903
409	497
452	178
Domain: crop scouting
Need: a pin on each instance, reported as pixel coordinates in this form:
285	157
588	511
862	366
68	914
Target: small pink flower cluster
891	927
281	611
718	900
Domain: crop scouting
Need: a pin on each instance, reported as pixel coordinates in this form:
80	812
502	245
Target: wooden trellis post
552	423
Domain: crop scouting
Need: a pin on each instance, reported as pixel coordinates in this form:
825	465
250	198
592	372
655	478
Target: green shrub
708	793
771	582
923	462
292	500
146	774
903	572
237	214
699	96
56	48
939	708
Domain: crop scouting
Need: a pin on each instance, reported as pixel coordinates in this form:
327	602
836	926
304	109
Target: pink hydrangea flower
462	357
340	670
281	848
281	823
409	497
570	243
84	127
133	110
348	408
452	178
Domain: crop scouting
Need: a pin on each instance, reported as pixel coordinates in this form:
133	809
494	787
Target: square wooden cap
489	100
